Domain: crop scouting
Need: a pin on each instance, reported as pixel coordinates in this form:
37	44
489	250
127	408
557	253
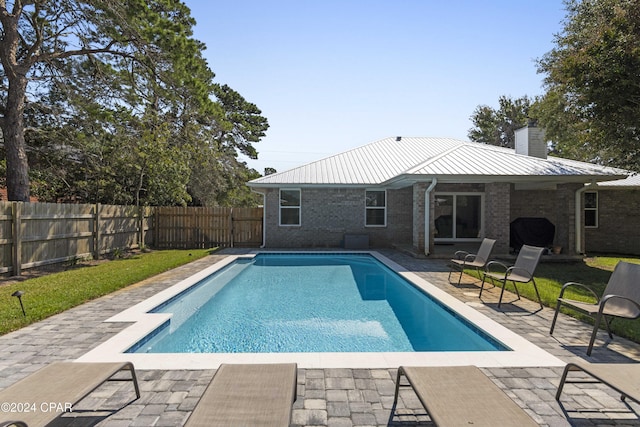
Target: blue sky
332	75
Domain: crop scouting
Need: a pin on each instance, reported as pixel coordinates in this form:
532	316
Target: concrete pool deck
335	396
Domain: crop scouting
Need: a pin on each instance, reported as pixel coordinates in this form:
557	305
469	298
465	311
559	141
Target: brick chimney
530	140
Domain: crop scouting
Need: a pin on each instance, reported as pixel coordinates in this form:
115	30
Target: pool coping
523	353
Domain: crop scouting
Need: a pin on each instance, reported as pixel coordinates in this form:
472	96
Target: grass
593	272
54	293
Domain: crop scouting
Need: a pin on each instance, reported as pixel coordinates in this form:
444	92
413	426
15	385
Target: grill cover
531	231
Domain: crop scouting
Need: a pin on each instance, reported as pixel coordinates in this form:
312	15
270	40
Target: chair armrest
607	298
493	264
579	285
461	255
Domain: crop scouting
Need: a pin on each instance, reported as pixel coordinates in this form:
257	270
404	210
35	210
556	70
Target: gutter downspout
264	217
427	208
578	203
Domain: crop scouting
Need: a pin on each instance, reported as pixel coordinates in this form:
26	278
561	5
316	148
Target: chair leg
596	326
537	293
395	397
484	276
451	267
555	317
502	293
515	286
606	323
567	368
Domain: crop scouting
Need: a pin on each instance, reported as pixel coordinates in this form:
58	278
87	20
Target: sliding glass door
458	216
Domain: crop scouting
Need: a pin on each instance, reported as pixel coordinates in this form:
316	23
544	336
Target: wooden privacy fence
200	227
35	234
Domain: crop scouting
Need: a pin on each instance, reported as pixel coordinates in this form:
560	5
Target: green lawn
593	272
54	293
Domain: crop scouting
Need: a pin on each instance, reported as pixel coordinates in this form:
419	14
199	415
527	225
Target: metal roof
631	181
401	161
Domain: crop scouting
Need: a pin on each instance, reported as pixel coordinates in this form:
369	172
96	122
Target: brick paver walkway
326	397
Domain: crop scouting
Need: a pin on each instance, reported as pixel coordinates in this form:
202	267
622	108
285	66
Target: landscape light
19	294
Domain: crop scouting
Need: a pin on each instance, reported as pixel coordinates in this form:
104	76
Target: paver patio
326	397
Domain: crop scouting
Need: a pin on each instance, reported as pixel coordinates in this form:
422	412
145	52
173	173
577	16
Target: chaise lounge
62	382
248	395
622	377
460	396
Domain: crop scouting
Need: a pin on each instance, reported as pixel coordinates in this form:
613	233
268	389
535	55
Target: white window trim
280	207
596	209
482	217
375	207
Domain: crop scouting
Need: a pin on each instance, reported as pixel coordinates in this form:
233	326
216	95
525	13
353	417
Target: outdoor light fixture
19	294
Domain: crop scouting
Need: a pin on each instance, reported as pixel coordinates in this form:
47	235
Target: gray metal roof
631	181
399	162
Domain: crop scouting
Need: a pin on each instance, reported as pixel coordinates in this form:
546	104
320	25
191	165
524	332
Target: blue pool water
309	303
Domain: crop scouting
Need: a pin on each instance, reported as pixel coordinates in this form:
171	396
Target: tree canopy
497	126
113	102
591	108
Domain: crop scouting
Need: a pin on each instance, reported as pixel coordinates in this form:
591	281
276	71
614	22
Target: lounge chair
621	298
463	259
622	377
65	383
521	272
248	395
460	396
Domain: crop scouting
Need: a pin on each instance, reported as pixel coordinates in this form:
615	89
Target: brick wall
618	228
497	215
327	214
558	206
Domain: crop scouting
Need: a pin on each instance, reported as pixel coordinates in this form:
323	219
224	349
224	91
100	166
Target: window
458	216
289	207
375	208
591	209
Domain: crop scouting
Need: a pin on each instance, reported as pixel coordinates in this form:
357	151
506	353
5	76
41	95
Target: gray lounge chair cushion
248	395
463	395
61	382
622	377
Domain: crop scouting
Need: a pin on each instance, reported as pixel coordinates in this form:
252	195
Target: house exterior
612	217
423	192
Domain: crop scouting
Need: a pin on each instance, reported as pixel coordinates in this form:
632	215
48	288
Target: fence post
16	213
231	227
140	227
156	227
96	233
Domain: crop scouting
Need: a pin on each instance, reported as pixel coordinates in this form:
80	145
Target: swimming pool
141	322
309	303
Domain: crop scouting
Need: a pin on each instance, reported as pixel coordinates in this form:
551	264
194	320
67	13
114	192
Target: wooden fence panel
34	234
118	227
247	227
52	232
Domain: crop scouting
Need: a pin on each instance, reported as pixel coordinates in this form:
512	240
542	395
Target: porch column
498	215
420	241
418	216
